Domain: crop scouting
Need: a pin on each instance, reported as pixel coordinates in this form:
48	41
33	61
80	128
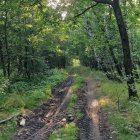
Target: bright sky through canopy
55	3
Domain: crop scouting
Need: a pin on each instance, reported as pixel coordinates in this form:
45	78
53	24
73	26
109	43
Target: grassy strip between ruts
70	131
25	95
123	114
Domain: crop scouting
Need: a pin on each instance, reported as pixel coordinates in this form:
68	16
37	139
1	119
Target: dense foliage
36	35
39	37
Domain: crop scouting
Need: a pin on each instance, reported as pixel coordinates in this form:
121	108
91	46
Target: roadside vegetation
123	114
22	96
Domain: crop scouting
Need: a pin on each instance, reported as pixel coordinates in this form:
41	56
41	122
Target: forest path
49	116
93	125
52	115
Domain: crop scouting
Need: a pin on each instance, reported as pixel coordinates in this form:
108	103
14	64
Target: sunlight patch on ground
95	103
104	101
76	62
94	112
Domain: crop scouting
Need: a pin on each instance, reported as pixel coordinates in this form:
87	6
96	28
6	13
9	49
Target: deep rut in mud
48	117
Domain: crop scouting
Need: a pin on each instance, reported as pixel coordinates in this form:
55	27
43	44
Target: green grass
25	95
69	132
78	83
72	102
7	130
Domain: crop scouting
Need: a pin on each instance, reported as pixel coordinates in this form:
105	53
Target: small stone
70	118
114	132
70	115
22	122
64	120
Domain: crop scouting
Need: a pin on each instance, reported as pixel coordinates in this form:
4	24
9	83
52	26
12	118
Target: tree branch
8	119
86	10
110	2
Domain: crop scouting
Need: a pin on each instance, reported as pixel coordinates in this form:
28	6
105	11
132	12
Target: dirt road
49	117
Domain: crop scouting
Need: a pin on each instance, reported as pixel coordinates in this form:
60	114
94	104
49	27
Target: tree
127	60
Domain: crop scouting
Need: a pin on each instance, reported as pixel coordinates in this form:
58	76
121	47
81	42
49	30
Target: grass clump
69	132
7	130
124	114
78	83
72	102
74	97
14	101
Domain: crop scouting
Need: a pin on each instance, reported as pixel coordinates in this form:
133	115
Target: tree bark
126	49
6	40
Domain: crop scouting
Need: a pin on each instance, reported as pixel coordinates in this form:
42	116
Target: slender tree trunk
6	40
19	64
117	66
2	59
126	49
26	48
27	73
32	61
20	57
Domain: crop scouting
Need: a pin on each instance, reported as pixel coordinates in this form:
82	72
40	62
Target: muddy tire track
93	125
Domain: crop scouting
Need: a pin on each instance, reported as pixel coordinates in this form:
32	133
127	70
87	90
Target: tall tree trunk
2	59
26	65
126	49
6	40
27	73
